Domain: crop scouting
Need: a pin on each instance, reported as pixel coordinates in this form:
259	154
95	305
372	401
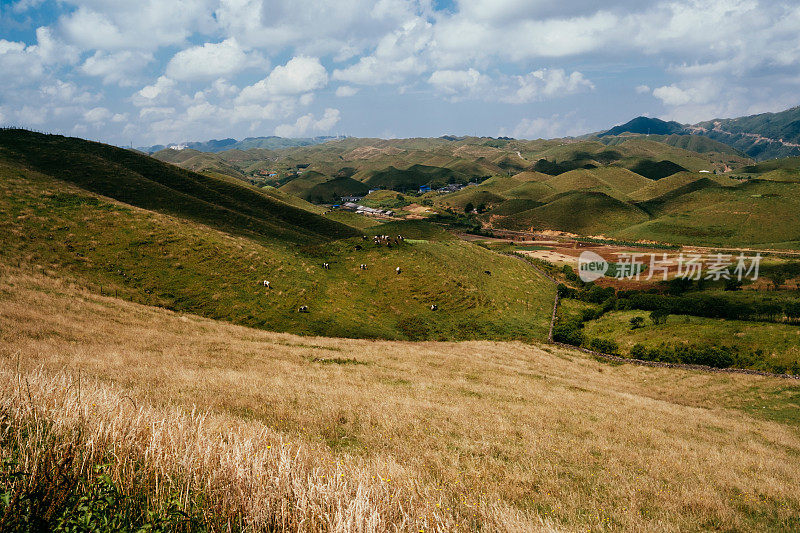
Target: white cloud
344	91
460	84
547	83
642	89
19	63
142	25
301	74
158	91
547	128
156	113
51	50
398	56
121	68
536	85
97	115
697	92
307	124
314	27
209	61
66	92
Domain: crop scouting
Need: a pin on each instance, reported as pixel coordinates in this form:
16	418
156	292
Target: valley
232	348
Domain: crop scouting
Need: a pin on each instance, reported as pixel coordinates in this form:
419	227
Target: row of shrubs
570	332
701	305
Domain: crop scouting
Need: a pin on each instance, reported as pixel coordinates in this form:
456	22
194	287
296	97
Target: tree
481	208
659	316
733	284
637	322
777	277
469	208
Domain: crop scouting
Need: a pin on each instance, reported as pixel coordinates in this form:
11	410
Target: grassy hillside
615	178
302	184
281	432
150	184
763	136
779	342
177	263
331	191
413	177
586	213
757	212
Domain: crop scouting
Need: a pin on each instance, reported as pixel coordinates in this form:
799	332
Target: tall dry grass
231	474
302	433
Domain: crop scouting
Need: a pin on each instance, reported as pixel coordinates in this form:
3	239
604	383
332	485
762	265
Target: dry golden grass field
267	431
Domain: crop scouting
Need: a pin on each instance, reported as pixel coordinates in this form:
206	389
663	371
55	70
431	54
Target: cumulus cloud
209	61
547	128
397	56
97	115
308	124
345	90
697	92
301	74
337	26
144	25
67	92
718	57
121	68
547	83
158	91
537	85
461	84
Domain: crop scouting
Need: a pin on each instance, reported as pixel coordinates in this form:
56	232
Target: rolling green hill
330	192
144	182
757	212
615	178
114	221
413	177
582	212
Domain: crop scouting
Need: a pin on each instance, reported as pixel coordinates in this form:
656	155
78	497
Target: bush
604	346
637	322
659	316
568	333
638	351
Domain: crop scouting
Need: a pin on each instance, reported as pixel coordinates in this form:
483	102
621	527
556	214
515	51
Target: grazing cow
303	309
397	270
266	284
434	307
358	246
363	266
326	266
487	272
363	237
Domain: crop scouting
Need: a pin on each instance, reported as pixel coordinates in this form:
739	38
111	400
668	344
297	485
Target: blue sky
160	71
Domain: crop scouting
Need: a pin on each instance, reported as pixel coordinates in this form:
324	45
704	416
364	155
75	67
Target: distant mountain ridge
646	126
219	145
763	136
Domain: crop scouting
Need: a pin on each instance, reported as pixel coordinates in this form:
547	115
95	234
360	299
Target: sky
166	71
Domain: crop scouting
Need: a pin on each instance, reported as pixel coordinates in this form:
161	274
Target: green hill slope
582	212
165	258
145	182
763	136
331	191
754	213
616	178
413	177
